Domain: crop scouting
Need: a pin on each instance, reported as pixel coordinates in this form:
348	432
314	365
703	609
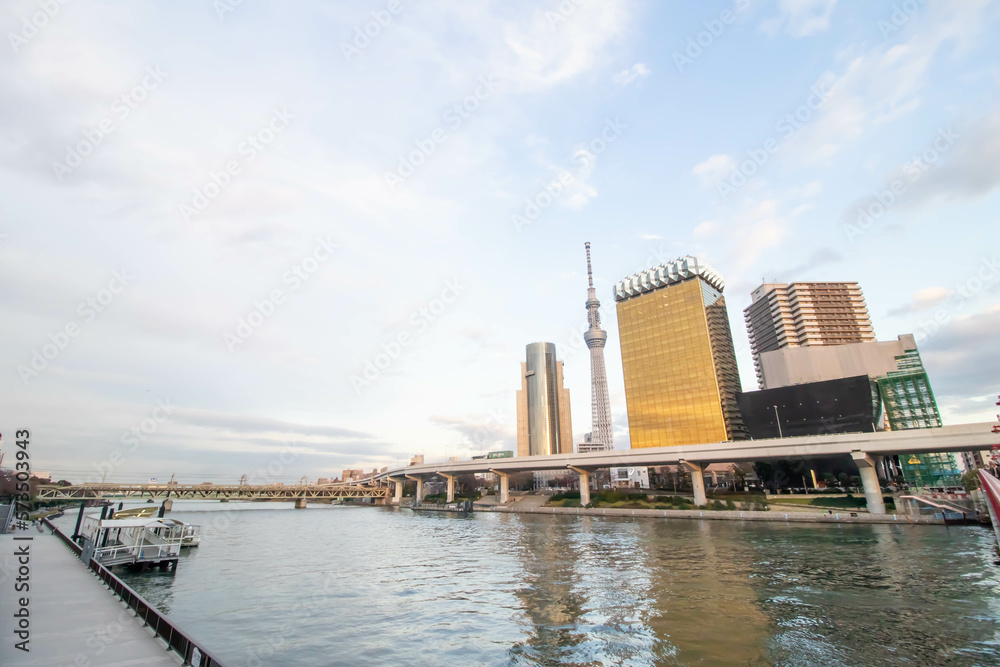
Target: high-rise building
805	314
901	386
601	436
678	358
544	425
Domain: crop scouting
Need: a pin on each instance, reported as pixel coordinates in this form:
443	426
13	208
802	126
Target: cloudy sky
318	235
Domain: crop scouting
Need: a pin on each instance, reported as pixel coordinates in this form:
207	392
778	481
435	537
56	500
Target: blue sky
257	157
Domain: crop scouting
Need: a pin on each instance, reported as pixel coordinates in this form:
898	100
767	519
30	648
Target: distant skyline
233	230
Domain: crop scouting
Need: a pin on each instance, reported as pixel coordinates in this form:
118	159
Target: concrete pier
504	486
418	496
584	485
867	468
74	618
397	497
697	482
300	503
451	486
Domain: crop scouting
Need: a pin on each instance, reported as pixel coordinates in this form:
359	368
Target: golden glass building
681	378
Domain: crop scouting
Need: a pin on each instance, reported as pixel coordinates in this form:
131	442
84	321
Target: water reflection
703	581
550	602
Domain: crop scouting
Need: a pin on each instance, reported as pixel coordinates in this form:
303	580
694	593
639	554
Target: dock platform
74	618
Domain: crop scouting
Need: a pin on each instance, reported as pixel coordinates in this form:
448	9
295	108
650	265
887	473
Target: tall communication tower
600	436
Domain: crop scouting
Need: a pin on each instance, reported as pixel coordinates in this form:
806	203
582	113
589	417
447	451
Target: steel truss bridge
250	492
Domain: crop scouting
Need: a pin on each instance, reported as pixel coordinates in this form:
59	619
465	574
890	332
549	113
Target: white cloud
922	300
714	169
706	228
627	76
883	84
800	18
547	52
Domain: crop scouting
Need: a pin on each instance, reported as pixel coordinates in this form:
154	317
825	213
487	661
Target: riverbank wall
720	515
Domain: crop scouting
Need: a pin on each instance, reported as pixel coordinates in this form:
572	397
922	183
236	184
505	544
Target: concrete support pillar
504	492
451	486
300	503
697	482
584	485
399	491
869	479
418	496
504	486
168	505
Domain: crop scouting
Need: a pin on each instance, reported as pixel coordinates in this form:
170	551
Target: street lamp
777	419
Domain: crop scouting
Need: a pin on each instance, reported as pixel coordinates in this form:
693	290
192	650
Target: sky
285	239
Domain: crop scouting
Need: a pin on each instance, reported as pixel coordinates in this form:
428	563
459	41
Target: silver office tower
544	424
600	436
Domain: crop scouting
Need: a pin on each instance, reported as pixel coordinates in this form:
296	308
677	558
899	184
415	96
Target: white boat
133	541
190	533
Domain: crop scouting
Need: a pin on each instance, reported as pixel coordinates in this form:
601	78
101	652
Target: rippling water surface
382	586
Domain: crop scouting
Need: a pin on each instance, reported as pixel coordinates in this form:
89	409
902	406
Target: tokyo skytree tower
600	437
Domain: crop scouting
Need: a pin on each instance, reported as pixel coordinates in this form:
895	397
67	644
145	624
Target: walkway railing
191	653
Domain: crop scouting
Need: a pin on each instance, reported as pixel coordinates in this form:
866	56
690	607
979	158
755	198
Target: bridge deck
75	620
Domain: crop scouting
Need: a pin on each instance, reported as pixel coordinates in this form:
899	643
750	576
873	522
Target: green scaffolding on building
909	403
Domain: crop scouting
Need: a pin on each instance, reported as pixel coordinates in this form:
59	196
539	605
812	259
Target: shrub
730	505
608	497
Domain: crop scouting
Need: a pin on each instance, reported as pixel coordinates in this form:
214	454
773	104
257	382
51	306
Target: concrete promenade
74	618
720	515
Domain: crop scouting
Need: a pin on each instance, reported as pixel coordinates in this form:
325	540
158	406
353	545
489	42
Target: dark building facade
848	405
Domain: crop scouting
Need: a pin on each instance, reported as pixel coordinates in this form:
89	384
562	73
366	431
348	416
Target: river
382	586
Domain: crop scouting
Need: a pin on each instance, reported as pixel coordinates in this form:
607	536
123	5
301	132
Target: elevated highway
864	448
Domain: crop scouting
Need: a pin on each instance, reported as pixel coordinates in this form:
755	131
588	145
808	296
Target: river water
382	586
